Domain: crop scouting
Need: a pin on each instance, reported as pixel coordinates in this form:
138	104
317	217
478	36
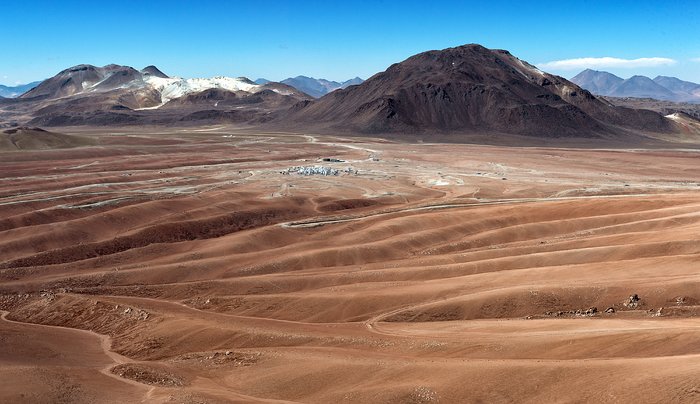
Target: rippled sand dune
200	266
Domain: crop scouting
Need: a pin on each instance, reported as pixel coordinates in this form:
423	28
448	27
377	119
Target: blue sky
339	40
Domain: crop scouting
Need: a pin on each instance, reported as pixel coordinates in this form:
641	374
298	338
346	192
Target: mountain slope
662	107
80	78
471	89
272	96
678	85
172	88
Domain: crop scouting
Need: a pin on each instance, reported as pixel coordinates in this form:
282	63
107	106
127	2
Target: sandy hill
25	138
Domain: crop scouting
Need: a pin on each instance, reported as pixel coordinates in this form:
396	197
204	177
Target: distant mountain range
466	92
16	91
151	85
660	88
315	87
115	94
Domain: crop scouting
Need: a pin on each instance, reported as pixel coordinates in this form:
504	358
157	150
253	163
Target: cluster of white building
317	170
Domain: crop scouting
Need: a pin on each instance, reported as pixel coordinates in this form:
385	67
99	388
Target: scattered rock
147	375
423	394
135	313
590	312
48	295
221	358
610	310
632	302
11	301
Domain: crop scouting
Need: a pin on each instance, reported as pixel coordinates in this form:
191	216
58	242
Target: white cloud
695	60
605	62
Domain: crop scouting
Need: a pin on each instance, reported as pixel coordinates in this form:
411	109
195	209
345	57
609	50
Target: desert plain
217	264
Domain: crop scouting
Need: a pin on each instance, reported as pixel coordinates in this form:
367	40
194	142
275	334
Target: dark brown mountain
471	89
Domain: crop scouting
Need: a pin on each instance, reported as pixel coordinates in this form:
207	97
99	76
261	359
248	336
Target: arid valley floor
203	265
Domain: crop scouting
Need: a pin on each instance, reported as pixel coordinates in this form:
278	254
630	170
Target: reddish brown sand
184	266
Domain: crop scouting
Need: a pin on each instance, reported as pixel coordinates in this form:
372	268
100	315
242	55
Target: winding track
105	343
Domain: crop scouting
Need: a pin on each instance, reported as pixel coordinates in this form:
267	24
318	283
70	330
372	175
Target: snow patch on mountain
530	68
175	87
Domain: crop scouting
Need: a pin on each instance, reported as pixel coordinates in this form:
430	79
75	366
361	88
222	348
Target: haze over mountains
314	87
319	87
660	88
16	91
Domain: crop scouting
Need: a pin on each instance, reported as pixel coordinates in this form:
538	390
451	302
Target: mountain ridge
115	94
662	88
466	90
